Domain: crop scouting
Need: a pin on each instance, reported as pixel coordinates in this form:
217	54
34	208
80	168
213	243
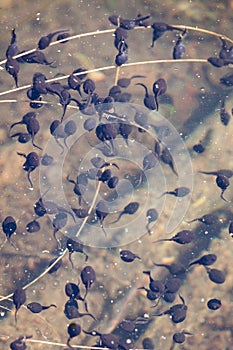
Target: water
191	109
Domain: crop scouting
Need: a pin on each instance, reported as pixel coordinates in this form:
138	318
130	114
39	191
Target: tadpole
182	237
46	39
130	209
19	298
31	163
151	216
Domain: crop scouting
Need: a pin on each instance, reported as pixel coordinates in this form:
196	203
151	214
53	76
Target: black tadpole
72	290
20	343
155	286
205	260
230	229
226	172
22	137
9	227
102	211
130	209
25	119
177	312
224	115
215	275
149	100
70	129
36	308
223	182
208	219
46	39
73	329
150	161
31	163
128	256
173	284
150	295
178	192
88	277
33	127
108	340
34	57
159	88
166	158
151	216
125	82
182	237
179	48
179	338
33	226
124	130
107	132
174	268
199	148
59	221
122	56
75	246
78	188
71	310
19	298
159	29
113	182
214	304
127	24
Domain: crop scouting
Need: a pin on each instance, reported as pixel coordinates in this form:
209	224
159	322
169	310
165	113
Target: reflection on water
189	113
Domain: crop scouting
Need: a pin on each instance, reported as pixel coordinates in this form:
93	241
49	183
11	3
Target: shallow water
190	109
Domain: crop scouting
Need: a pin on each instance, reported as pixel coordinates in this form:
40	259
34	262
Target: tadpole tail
145	87
192	263
85	304
16	317
162	240
146	272
207	172
64	112
84	297
15	76
65	143
22	154
30	181
71	262
68	343
51	35
55	237
15	135
157	303
101	225
12	243
59	144
48	307
70	180
156	103
17	123
87	314
221	196
148	229
188	222
35	144
120	215
164	193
